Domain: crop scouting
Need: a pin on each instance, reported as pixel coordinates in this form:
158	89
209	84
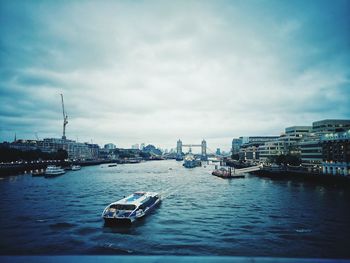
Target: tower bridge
203	146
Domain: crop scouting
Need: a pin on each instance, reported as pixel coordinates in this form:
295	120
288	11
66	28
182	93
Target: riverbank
289	172
304	176
19	168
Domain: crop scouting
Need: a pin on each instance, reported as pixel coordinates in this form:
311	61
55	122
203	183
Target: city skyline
156	72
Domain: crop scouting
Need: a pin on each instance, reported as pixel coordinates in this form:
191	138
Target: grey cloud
155	72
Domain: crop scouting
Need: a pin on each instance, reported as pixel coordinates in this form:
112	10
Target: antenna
65	119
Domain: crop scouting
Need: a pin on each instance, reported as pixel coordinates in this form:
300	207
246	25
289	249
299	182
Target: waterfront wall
17	168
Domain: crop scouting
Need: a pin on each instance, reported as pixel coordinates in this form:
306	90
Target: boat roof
53	167
189	157
136	198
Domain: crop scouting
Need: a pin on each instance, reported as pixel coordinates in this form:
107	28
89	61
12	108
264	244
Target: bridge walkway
247	170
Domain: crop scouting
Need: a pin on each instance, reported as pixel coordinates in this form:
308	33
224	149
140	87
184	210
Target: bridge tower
179	148
204	150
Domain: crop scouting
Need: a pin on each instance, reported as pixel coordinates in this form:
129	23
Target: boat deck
134	197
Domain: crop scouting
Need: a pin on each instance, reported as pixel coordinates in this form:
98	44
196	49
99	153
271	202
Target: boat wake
303	230
168	192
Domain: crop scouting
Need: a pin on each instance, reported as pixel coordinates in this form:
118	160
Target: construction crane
65	119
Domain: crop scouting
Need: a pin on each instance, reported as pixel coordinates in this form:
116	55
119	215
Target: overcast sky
157	71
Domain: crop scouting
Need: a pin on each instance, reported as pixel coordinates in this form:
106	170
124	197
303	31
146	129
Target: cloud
154	72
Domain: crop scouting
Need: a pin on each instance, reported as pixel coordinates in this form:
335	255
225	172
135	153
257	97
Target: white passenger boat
76	167
131	208
190	161
226	172
53	170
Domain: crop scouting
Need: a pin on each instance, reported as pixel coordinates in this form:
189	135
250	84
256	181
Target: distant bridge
203	146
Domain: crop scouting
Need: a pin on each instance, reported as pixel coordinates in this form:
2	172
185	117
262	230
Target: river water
200	214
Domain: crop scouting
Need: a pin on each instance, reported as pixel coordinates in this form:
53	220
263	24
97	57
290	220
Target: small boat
112	165
191	162
76	167
131	208
225	173
53	170
179	158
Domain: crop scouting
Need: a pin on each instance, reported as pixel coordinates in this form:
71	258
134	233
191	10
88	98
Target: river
200	214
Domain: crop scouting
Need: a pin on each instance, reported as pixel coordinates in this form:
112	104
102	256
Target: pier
247	170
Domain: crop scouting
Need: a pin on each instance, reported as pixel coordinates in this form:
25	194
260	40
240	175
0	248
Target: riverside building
311	146
269	150
285	144
257	139
110	146
236	145
24	145
75	150
303	141
249	150
295	133
311	152
330	126
336	153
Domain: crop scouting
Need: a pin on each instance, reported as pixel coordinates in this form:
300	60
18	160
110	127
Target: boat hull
192	164
36	174
151	208
218	174
117	221
53	174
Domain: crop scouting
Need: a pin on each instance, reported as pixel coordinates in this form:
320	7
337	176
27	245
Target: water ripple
199	215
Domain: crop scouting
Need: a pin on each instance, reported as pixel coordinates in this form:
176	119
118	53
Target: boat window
123	207
149	201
